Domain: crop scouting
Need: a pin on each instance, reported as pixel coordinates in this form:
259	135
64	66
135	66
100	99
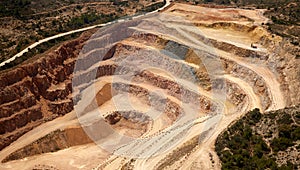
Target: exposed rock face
57	140
132	116
23	91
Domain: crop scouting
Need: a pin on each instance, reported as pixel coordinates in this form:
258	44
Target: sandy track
39	132
205	147
201	155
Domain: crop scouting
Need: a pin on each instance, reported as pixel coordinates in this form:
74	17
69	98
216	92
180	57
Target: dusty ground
241	78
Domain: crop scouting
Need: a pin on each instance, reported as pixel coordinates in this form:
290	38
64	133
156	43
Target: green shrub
281	144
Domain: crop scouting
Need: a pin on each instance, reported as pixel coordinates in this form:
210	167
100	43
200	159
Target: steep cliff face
38	91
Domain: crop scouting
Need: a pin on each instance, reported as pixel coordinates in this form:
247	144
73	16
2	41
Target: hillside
261	141
23	22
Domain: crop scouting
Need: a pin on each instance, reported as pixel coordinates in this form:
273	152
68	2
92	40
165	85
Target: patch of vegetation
153	7
38	50
15	8
244	144
23	22
90	18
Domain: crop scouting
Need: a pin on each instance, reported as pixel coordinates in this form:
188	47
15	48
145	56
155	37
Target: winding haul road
206	147
75	31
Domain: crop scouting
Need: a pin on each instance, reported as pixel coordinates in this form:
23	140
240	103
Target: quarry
149	93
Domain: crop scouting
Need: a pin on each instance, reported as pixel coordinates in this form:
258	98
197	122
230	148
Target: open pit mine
153	92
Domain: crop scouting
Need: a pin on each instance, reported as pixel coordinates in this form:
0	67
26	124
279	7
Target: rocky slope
261	141
38	91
